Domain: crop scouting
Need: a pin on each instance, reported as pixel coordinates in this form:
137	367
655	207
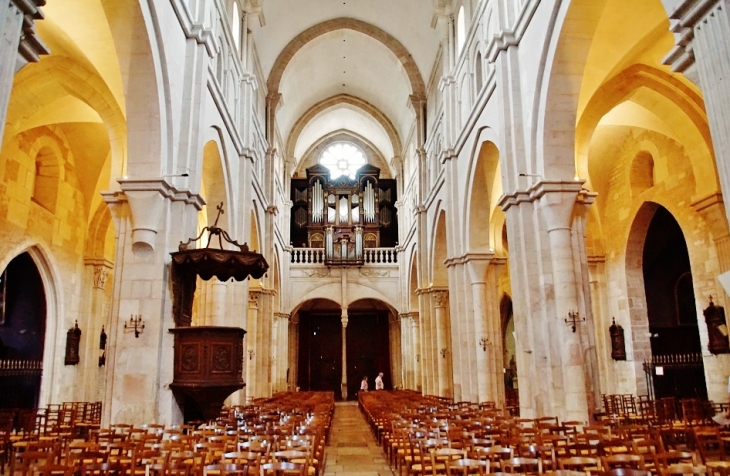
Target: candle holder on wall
483	343
135	324
573	319
444	351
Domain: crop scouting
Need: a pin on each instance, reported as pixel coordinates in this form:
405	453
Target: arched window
642	173
342	158
47	176
460	30
236	26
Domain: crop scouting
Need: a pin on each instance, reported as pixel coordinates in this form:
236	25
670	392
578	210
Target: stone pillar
396	365
477	265
440	299
140	369
712	210
252	347
702	53
417	357
557	200
406	351
218	315
98	313
293	370
493	329
19	45
343	382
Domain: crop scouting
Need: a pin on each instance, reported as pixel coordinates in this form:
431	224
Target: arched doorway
676	368
22	332
320	345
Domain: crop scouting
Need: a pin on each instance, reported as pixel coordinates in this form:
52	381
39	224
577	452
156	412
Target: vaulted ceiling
346	65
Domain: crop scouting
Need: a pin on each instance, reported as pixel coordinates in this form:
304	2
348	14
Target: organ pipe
317	202
369	203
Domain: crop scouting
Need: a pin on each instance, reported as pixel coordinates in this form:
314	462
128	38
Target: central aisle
352	449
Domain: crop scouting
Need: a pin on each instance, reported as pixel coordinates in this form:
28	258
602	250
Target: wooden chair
681	469
280	469
103	469
522	465
623	461
626	472
221	469
467	467
580	463
671	458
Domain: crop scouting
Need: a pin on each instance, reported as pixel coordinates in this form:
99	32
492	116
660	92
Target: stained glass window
342	158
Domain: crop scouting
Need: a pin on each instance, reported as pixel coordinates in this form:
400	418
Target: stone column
702	53
396	365
218	315
98	313
477	265
19	45
557	200
406	351
252	348
440	299
293	372
417	357
712	210
493	329
343	382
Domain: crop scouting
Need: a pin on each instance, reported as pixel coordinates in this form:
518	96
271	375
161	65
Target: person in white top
364	384
379	382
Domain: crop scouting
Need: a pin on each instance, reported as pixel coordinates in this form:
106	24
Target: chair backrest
623	461
522	465
226	468
626	472
276	469
671	458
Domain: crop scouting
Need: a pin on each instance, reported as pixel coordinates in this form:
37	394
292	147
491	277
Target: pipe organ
343	216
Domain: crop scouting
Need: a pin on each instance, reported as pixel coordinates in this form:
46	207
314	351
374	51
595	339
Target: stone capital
440	298
253	297
556	201
477	264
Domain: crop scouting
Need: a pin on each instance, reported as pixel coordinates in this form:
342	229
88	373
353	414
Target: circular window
342	158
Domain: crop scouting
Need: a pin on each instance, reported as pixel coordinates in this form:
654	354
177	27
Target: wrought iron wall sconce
135	325
73	338
418	357
102	347
251	353
573	319
444	351
483	343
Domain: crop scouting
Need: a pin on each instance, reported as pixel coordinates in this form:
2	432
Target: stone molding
146	198
30	46
687	16
195	31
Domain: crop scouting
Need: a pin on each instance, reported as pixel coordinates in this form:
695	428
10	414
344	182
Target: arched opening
671	311
47	176
642	173
509	347
320	345
460	30
478	72
22	332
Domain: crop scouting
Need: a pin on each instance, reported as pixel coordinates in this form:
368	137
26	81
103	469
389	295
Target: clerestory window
342	158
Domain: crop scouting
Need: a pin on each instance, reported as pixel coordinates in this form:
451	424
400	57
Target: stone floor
352	449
